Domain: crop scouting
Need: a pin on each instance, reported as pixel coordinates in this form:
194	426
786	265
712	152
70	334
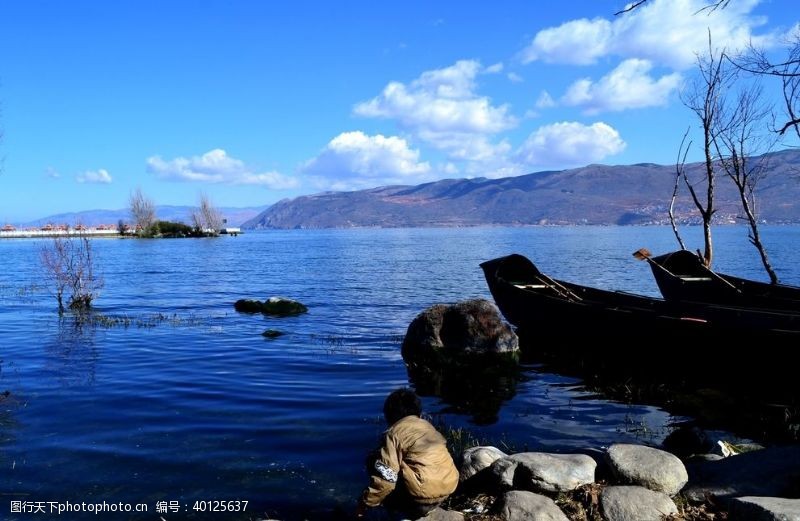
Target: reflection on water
475	386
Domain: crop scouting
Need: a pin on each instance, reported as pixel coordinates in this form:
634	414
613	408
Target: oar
558	287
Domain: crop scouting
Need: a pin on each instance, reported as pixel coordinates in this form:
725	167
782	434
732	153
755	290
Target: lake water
188	402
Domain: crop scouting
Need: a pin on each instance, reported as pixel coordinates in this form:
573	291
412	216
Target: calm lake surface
188	402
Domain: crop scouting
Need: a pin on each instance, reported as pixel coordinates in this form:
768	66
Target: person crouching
412	471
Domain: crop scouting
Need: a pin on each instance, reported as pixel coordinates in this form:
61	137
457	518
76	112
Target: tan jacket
414	453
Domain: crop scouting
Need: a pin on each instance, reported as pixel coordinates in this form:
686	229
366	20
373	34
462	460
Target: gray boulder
468	327
475	459
542	472
752	508
635	504
647	467
518	505
772	472
439	514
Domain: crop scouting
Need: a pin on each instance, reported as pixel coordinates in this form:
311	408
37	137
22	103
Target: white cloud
216	166
494	69
569	144
442	108
579	42
52	173
545	101
629	86
100	176
355	160
668	32
513	77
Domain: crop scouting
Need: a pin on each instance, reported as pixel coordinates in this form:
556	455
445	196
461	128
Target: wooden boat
682	277
592	332
550	308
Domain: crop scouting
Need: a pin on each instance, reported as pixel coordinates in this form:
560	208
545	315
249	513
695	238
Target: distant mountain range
235	216
595	194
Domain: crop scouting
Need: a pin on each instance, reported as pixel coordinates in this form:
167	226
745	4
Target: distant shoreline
46	234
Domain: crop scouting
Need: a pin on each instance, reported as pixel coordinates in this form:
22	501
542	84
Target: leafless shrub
69	267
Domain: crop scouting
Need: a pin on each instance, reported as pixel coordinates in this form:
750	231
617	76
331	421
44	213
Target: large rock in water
468	327
275	306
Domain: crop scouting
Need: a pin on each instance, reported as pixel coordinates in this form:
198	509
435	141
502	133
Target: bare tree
143	212
69	266
206	219
743	134
705	97
787	71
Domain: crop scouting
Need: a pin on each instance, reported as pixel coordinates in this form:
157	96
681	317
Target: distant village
9	231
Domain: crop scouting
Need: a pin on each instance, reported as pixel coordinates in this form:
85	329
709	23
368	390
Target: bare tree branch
143	212
705	98
710	8
69	266
630	7
206	219
680	168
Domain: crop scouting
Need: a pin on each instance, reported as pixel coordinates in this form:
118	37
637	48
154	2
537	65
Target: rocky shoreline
689	478
626	483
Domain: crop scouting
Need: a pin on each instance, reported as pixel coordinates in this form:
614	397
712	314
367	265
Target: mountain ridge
594	194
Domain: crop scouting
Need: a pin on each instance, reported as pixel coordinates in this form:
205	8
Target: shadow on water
729	395
475	385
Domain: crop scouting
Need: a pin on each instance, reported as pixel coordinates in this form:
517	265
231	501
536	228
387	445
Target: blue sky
251	102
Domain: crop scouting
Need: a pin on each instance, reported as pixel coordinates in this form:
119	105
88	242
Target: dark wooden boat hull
614	333
682	277
635	324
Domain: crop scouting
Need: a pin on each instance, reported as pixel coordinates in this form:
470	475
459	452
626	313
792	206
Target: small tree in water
69	266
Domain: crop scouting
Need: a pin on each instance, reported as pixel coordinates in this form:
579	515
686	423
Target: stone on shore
543	472
439	514
476	459
468	327
519	505
772	472
275	306
752	508
630	503
647	467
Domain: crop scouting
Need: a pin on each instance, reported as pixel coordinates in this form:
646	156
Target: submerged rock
247	306
275	306
272	333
